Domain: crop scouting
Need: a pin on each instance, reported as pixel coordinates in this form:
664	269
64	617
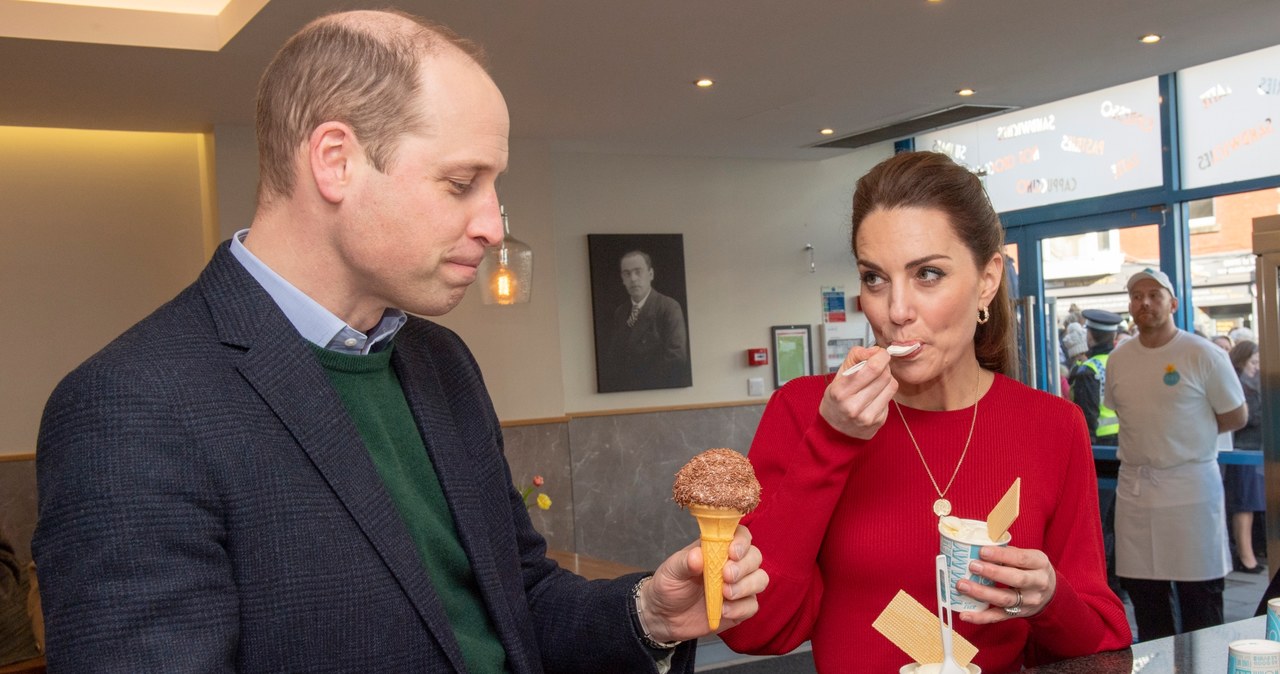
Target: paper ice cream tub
934	668
1253	656
962	542
1273	619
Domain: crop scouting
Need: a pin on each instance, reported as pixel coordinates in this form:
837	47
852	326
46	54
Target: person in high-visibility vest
1088	381
1088	378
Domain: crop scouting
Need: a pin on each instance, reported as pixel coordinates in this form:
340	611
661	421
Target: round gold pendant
942	507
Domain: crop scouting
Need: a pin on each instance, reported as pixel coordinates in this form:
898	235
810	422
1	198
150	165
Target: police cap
1097	319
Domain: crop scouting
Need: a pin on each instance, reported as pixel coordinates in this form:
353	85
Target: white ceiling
611	76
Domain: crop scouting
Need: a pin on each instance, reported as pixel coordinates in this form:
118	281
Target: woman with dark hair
857	468
1244	485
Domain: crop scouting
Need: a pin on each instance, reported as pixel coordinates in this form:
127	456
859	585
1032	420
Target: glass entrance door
1068	266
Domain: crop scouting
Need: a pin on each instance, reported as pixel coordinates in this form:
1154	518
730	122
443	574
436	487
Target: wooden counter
590	567
32	666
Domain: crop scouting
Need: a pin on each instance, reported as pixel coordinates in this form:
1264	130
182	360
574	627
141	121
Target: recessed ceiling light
826	132
1150	38
704	83
965	92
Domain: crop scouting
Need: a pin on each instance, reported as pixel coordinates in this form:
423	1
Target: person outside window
1244	486
1173	393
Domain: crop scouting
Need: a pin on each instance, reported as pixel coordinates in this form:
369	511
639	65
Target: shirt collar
315	323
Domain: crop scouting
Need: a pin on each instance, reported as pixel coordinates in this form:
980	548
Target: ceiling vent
917	125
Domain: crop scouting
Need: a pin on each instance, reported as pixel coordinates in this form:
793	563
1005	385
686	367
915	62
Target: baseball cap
1153	274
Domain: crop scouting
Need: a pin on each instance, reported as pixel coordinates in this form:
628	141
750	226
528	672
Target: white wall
745	224
236	159
518	346
99	228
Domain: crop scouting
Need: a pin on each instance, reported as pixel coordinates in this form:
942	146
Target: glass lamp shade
506	274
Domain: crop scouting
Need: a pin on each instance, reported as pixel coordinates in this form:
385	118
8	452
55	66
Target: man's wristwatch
636	610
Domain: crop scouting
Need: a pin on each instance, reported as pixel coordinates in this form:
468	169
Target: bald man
281	470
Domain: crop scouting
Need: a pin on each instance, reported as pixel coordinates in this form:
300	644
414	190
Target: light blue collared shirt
315	323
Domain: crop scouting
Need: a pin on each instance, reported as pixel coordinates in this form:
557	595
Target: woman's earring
983	315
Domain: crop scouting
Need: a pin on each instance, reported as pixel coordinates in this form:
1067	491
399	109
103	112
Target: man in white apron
1174	392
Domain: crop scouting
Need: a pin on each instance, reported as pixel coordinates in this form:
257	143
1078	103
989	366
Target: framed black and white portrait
640	312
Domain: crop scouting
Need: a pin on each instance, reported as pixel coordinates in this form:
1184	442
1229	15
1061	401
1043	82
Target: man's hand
672	606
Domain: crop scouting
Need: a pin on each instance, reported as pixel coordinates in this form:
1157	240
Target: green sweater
371	392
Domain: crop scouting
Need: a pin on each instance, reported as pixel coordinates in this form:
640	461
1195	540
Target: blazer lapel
455	469
282	369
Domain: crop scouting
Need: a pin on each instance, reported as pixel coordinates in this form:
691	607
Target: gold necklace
942	507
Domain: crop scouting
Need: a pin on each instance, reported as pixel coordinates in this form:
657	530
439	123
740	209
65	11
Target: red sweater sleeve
798	457
1084	616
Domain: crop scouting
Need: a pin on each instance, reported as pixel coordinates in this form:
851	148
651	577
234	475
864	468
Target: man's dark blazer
206	504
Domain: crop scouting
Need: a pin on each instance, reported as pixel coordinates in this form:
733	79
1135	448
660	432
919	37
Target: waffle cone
716	526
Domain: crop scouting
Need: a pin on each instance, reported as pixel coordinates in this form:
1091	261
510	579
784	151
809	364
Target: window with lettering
1087	146
1229	110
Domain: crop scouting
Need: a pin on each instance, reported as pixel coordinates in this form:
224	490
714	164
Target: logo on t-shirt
1171	376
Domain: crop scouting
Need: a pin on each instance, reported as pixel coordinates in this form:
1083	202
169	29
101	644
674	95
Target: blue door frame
1029	240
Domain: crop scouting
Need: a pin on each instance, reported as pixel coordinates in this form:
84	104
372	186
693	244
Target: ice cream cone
716	526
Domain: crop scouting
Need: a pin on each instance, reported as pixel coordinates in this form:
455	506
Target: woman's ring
1017	605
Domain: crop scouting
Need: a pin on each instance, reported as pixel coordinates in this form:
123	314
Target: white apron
1171	523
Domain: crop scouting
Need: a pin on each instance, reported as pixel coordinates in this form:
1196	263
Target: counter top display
1200	652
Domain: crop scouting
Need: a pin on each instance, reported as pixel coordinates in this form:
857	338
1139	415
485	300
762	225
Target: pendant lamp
507	269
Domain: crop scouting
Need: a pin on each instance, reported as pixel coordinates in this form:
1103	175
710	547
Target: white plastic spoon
949	664
894	350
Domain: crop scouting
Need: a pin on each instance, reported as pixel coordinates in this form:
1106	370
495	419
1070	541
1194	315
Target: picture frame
792	352
640	315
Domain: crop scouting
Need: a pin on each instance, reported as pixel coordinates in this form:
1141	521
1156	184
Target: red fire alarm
757	356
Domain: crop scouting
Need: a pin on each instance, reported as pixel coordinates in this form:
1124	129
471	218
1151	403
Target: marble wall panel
623	466
609	479
18	505
543	449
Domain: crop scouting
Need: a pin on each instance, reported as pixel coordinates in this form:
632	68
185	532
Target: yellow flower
542	500
1170	369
